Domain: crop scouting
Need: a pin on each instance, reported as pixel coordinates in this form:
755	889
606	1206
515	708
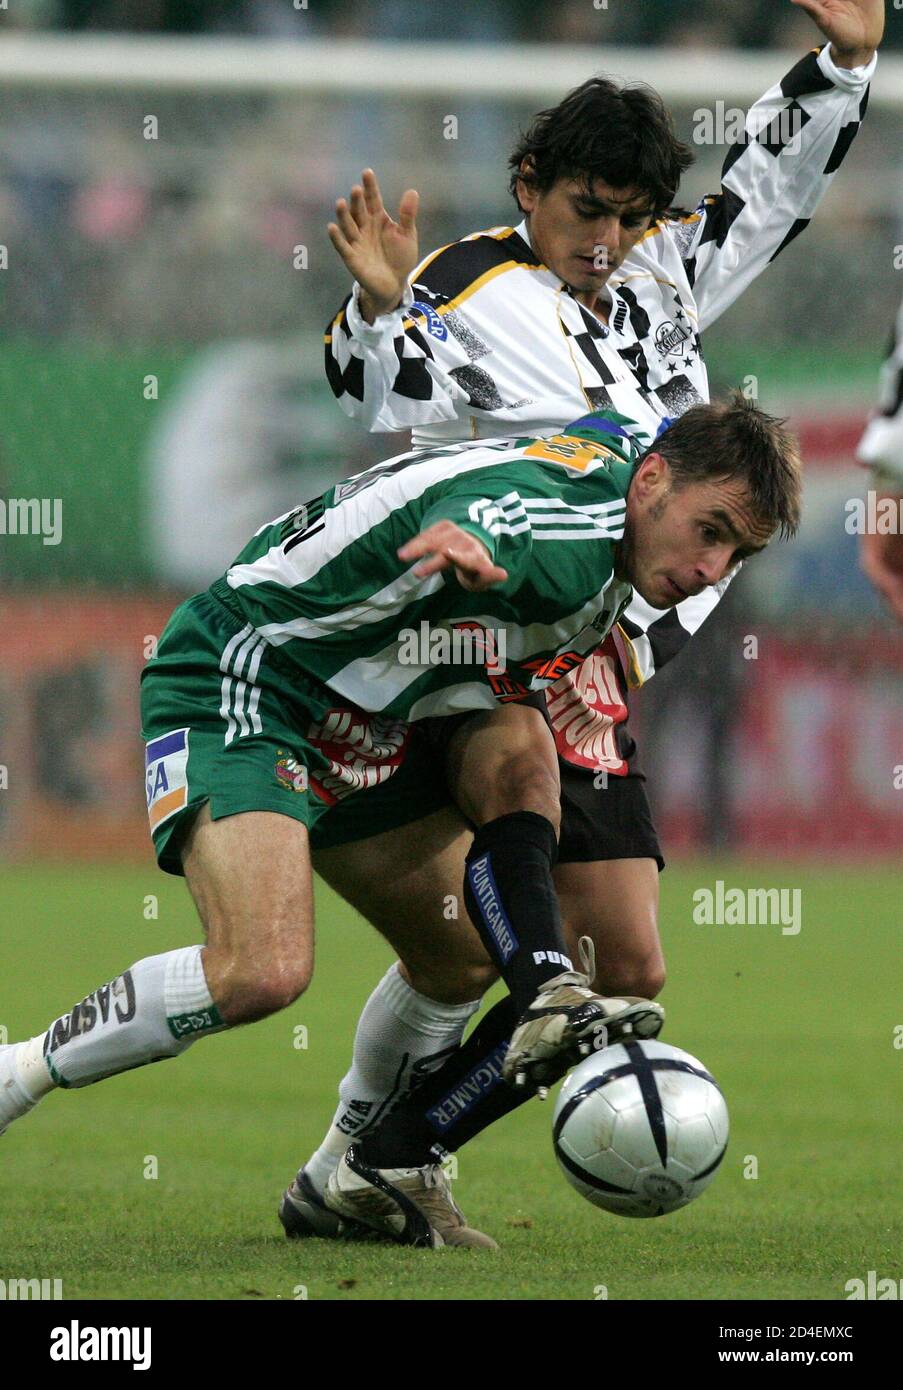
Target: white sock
34	1077
155	1009
401	1037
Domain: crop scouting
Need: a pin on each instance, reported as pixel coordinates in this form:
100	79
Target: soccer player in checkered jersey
596	299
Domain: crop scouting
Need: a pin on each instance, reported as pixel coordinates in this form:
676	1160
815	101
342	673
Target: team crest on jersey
670	338
291	774
434	325
166	776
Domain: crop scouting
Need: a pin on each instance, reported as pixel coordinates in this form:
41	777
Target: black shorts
611	820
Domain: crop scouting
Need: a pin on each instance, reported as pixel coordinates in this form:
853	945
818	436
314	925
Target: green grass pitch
799	1030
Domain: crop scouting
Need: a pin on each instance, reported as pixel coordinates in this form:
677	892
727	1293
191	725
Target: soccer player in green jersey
533	545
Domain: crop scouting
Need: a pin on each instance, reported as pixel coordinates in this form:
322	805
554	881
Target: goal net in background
166	281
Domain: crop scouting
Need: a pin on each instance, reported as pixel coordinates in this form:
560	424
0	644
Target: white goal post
492	72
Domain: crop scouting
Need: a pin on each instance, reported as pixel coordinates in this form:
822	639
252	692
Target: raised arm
854	27
773	178
388	360
378	253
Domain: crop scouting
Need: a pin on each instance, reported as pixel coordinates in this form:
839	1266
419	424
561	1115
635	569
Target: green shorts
227	721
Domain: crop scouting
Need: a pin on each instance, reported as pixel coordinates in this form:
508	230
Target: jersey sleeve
390	375
881	447
420	364
537	529
796	138
489	508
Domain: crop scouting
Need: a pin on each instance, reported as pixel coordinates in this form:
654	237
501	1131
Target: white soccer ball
640	1128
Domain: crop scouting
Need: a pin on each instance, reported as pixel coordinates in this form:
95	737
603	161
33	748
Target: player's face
584	233
680	540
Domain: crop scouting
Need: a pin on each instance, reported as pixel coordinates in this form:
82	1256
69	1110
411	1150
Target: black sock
511	899
465	1095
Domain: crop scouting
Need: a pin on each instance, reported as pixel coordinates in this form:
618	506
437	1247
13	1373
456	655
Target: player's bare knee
282	985
250	989
473	978
527	783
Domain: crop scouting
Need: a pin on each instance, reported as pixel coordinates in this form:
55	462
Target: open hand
378	252
855	27
447	546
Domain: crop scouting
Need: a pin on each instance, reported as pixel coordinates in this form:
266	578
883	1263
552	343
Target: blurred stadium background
164	301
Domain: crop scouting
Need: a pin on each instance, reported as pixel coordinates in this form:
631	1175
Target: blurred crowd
702	23
187	236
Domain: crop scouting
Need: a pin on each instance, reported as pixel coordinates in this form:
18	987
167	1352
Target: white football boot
412	1205
14	1099
567	1021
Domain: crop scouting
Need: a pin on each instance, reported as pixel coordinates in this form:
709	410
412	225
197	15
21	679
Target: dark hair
620	134
734	439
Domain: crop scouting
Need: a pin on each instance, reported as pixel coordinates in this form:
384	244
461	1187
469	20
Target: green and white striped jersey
324	583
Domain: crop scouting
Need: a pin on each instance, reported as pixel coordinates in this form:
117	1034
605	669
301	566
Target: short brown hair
735	439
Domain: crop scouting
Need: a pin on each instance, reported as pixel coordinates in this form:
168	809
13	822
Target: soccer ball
640	1128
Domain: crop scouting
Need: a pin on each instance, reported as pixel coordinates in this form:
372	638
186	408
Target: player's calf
615	903
250	878
258	960
503	772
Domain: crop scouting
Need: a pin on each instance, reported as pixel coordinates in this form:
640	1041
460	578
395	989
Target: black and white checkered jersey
881	447
489	342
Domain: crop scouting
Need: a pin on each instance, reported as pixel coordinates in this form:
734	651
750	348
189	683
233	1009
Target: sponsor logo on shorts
585	706
166	776
292	775
484	1077
362	750
484	889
